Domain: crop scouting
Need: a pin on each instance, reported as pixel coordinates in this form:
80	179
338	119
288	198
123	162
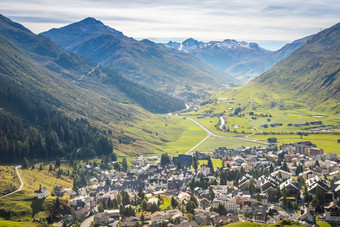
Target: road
87	222
211	134
21	183
91	71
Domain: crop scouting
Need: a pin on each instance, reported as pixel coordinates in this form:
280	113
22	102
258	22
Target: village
293	181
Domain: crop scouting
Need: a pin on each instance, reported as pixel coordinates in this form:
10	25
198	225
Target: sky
271	23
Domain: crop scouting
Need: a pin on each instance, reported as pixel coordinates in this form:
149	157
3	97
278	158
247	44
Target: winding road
211	134
21	182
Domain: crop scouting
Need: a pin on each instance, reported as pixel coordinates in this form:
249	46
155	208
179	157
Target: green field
171	134
215	142
21	206
6	223
8	180
257	107
327	142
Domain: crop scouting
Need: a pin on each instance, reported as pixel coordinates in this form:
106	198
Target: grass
6	223
22	206
171	134
8	180
217	163
327	142
215	142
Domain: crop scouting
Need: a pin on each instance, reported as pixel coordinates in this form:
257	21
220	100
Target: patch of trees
32	128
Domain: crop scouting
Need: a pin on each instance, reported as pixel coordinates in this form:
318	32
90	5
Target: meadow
8	180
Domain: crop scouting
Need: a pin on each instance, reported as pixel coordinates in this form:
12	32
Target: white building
41	193
158	217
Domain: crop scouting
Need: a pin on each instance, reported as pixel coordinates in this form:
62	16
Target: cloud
263	20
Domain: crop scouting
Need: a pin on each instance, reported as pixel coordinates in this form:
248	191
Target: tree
40	167
25	163
211	194
113	157
125	166
221	210
50	169
174	203
251	186
210	165
285	167
142	219
190	207
108	181
154	207
195	162
57	162
165	159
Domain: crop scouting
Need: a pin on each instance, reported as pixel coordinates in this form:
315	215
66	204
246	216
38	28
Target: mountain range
242	60
50	94
311	74
144	62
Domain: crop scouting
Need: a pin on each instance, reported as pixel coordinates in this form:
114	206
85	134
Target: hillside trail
21	183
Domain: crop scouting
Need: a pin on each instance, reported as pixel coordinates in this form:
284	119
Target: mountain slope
310	74
85	73
241	60
144	61
249	69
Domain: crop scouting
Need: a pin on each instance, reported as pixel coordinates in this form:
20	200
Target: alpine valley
101	129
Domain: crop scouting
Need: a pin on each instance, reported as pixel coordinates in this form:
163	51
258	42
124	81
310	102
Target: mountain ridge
240	59
144	61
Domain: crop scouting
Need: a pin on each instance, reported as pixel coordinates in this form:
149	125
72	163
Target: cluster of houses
278	193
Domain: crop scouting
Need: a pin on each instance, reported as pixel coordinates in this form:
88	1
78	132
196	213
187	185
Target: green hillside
311	74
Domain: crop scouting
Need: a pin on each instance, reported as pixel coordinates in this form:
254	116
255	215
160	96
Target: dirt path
21	182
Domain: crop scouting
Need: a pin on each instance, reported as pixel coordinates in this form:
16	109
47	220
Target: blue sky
267	22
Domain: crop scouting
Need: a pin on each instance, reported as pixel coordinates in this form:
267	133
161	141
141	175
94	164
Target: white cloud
264	20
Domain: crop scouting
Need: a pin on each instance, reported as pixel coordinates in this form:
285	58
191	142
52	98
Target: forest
32	128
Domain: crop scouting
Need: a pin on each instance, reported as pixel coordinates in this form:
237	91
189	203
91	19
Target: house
333	213
204	203
158	217
315	151
58	190
139	162
79	209
317	182
284	175
202	219
259	214
93	181
130	221
187	224
307	174
306	216
102	218
293	188
229	204
41	193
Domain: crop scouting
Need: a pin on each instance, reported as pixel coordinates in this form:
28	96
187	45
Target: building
315	151
333	213
139	162
229	204
58	190
102	218
158	217
41	193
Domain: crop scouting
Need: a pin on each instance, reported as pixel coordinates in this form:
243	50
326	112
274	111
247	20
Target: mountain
251	68
85	73
311	74
53	102
145	62
241	60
